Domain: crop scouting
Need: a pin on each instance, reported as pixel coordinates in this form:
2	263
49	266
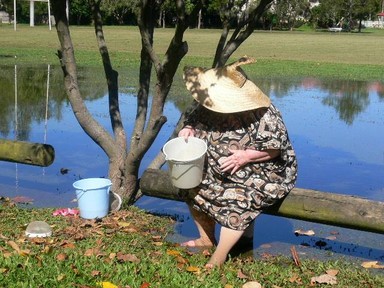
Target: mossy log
26	152
303	204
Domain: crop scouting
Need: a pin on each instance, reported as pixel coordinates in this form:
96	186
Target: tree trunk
125	161
303	204
26	152
114	147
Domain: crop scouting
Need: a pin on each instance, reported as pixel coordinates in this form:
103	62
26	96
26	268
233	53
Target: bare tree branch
67	59
245	28
112	79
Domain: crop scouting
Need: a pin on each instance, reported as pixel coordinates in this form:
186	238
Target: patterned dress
234	201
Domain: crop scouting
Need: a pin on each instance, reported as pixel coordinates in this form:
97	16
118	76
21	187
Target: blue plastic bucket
93	197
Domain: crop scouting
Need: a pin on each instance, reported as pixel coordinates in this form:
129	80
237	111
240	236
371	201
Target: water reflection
334	125
324	117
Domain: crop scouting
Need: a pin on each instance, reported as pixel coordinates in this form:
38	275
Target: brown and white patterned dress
234	201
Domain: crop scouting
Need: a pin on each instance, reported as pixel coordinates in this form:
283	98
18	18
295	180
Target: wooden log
26	152
303	204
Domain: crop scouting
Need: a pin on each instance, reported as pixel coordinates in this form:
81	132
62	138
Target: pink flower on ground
65	212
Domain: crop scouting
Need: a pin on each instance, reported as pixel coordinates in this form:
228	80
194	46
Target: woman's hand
240	158
187	131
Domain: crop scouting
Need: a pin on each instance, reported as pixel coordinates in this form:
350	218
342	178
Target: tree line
282	15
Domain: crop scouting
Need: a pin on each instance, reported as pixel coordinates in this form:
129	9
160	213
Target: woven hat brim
217	92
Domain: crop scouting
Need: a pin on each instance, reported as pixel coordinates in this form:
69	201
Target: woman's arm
240	158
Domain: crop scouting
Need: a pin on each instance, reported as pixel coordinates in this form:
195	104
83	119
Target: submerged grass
128	249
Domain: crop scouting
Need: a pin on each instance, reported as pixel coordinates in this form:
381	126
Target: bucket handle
180	162
85	190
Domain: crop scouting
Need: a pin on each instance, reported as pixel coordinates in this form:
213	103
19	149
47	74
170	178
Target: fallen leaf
372	264
295	279
14	245
17	248
324	279
47	249
3	270
127	258
304	232
145	285
157	238
61	257
66	244
252	284
181	260
123	224
92	252
60	277
95	273
107	285
173	252
193	269
7	254
3	237
332	272
38	240
74	269
24	252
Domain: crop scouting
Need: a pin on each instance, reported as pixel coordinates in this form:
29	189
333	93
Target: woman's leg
205	226
228	238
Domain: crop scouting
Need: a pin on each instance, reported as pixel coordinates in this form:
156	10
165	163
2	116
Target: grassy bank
298	53
128	249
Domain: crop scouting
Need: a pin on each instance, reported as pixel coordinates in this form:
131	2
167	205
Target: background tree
80	12
125	157
363	10
118	11
346	14
291	13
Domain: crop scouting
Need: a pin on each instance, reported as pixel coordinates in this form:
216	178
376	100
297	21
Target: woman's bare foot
215	261
198	243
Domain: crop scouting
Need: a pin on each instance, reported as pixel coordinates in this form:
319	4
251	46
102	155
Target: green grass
128	249
293	53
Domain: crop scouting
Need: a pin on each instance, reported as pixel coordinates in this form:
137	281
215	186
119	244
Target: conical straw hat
226	89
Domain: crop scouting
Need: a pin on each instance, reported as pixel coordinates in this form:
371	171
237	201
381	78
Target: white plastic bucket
185	158
93	197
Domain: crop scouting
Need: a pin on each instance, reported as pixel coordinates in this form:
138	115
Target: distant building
4	17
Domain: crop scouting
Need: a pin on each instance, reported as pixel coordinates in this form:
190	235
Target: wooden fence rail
303	204
26	152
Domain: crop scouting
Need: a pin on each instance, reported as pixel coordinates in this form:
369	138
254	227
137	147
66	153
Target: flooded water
335	126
